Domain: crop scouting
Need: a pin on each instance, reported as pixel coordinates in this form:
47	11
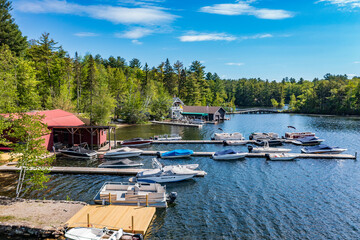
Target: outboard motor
158	154
267	156
250	148
171	197
224	142
137	237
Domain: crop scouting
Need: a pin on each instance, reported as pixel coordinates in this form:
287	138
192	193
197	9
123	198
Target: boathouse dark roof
201	109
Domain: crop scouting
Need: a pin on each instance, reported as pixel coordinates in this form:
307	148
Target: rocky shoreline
35	218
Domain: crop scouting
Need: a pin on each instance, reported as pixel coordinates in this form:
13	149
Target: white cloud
351	75
244	8
135	33
357	62
114	14
258	36
86	34
137	42
343	3
234	64
200	37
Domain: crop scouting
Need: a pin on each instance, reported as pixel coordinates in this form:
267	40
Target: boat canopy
192	113
178	152
319	147
307	139
224	152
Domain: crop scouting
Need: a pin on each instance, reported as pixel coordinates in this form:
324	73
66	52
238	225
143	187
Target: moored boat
296	135
124	152
228	136
157	164
90	233
131	194
271	142
263	136
267	149
123	163
281	156
322	148
228	154
177	153
79	151
235	142
307	141
166	137
136	142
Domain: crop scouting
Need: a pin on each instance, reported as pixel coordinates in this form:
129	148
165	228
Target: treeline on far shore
40	74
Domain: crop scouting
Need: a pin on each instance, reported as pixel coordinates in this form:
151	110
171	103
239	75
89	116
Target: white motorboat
157	164
124	152
281	156
133	194
123	163
171	137
307	141
235	142
79	151
322	148
228	136
263	136
87	233
296	135
228	154
267	149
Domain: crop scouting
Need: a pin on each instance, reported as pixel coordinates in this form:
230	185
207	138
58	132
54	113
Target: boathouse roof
201	109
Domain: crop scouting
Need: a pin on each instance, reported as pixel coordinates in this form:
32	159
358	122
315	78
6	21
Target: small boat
177	153
307	141
296	135
80	151
322	148
134	194
267	149
228	154
87	233
124	152
228	136
271	142
263	136
281	156
136	142
171	137
164	175
196	121
157	164
123	163
235	142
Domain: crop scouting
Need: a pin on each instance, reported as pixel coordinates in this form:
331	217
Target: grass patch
6	218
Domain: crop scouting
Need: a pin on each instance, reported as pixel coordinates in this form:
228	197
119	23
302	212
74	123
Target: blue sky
270	39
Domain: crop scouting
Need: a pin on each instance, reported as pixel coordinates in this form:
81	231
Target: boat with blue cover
177	153
322	148
308	141
228	154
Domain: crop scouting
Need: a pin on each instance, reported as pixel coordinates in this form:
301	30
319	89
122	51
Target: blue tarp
318	147
224	152
177	152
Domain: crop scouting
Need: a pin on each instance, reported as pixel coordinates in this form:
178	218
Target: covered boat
163	175
281	156
124	152
263	136
271	142
157	164
123	163
296	135
235	142
136	142
88	233
228	136
177	153
322	148
166	137
267	149
228	154
132	194
307	141
80	151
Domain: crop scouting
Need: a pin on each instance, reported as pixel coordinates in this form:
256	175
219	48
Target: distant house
67	129
204	112
176	108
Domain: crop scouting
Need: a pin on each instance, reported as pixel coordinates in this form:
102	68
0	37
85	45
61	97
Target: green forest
40	74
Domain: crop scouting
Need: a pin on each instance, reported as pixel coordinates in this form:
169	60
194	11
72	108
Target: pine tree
9	30
169	78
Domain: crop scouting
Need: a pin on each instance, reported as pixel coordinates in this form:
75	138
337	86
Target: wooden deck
91	171
178	124
114	217
262	155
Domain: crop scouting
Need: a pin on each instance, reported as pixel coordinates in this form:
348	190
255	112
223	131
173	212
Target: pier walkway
178	124
132	219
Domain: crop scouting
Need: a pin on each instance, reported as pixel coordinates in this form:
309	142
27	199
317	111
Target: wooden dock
262	155
189	142
129	218
178	124
254	111
91	171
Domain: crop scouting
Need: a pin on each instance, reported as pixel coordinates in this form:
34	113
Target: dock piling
147	200
110	198
132	224
88	220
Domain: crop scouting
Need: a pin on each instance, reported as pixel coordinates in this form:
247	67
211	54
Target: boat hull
179	156
228	157
281	157
235	142
123	155
323	152
165	179
136	144
270	150
79	155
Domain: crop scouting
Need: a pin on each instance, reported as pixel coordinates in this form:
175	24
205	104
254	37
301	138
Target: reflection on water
250	199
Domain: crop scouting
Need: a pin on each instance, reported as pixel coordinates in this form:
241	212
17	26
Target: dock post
147	200
109	138
115	143
88	220
110	198
355	155
132	224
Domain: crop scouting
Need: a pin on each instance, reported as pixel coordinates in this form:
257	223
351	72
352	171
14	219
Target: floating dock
132	219
178	124
91	171
262	155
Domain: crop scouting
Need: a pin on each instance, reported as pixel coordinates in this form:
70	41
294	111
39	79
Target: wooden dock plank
114	217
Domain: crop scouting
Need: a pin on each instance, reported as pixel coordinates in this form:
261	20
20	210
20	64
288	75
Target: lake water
249	199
